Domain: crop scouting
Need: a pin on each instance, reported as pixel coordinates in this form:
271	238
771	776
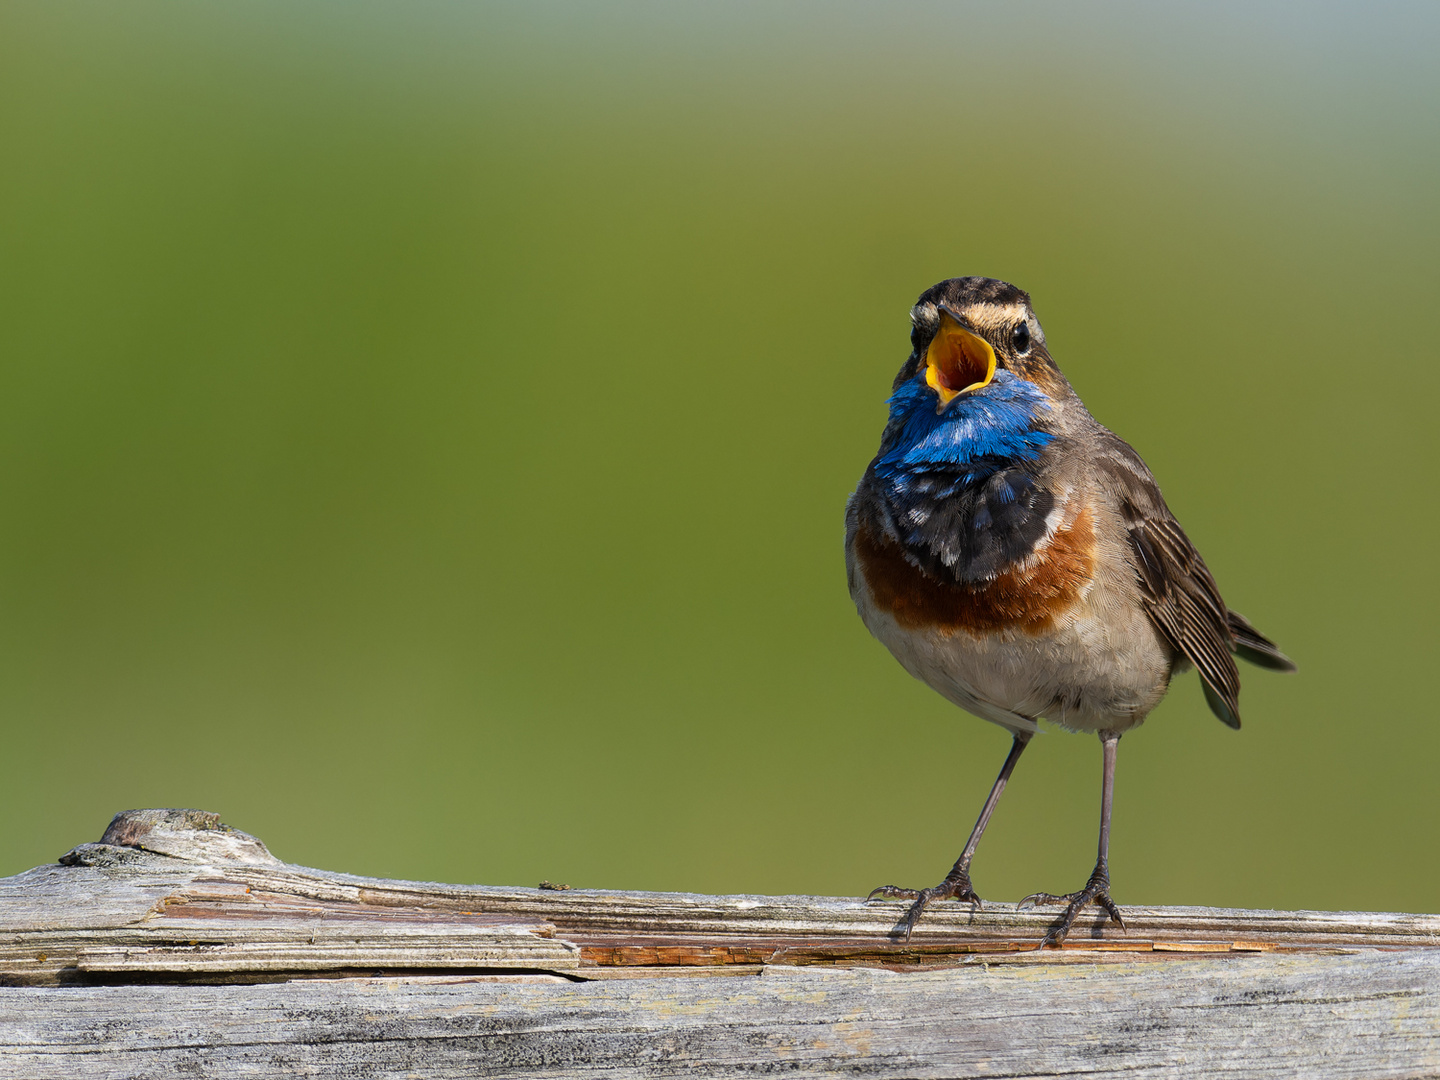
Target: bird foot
954	887
1096	891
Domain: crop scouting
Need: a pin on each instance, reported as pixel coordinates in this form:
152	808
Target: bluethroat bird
1018	558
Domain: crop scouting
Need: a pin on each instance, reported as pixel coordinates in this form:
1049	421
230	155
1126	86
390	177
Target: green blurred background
425	429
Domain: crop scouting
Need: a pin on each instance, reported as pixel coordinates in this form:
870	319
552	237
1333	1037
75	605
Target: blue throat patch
972	439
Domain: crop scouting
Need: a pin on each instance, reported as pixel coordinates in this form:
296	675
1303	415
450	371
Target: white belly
1082	673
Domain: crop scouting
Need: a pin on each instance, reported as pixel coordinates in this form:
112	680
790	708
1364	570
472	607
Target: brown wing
1176	588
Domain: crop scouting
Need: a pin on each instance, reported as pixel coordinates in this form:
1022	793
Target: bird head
978	388
966	331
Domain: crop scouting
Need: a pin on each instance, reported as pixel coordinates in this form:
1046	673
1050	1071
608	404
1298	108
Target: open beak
957	361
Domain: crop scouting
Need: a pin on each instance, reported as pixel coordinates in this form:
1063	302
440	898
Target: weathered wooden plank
177	893
178	945
193	926
66	897
1368	1015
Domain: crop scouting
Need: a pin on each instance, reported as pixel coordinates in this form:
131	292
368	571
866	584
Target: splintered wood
177	944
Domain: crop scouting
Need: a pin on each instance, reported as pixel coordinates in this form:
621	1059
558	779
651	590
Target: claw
949	889
1037	898
1110	909
1096	891
893	892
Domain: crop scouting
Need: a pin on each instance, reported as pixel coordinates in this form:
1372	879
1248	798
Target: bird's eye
1020	337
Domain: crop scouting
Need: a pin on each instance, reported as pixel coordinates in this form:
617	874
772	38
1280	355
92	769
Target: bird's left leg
1097	889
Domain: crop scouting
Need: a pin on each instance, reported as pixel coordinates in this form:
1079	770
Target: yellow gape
957	361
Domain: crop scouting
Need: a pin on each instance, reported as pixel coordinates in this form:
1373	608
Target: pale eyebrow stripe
994	316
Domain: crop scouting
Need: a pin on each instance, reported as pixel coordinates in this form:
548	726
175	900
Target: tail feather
1255	647
1218	706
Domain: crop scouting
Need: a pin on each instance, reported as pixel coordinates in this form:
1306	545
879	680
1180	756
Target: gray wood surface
177	946
1373	1015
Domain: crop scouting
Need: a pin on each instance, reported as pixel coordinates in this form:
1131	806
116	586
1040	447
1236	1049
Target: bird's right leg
957	883
1097	889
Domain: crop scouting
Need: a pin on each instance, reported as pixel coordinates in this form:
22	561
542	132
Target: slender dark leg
1097	889
957	882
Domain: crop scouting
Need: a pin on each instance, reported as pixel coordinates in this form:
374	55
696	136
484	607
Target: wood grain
1371	1015
180	946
